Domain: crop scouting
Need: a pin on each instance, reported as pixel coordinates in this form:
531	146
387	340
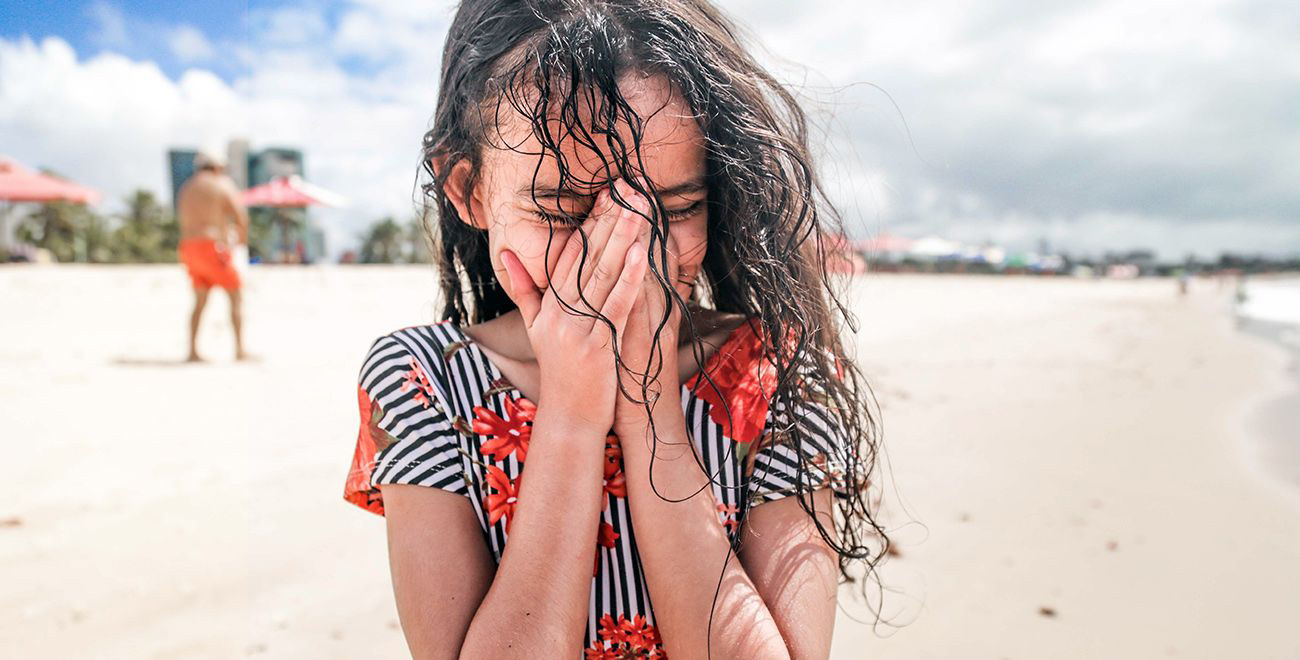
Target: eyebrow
681	189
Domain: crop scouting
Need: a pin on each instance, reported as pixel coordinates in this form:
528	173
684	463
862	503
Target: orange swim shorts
209	264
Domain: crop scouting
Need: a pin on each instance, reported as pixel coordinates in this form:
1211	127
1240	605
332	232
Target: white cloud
105	121
188	44
109	25
1180	117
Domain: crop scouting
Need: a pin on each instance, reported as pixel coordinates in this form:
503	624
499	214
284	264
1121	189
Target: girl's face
672	158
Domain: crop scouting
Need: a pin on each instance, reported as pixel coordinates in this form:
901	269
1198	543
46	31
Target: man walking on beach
213	225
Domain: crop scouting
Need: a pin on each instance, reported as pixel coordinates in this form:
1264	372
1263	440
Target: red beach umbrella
290	192
19	184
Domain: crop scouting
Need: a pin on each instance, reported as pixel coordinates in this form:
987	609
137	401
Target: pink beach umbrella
19	184
290	192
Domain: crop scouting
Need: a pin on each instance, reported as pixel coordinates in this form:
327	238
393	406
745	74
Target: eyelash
573	221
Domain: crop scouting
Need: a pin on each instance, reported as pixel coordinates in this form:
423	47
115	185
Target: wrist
632	417
569	418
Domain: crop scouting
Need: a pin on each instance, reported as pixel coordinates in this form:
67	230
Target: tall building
180	162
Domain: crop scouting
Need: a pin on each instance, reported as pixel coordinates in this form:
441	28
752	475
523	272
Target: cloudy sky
1092	125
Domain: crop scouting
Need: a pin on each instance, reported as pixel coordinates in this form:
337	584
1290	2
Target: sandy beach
1075	469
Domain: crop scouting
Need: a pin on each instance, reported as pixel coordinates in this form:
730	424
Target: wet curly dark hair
767	214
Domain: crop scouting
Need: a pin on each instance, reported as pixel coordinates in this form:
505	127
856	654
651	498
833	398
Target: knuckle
603	272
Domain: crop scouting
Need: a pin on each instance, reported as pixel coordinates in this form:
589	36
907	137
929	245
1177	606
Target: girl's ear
456	187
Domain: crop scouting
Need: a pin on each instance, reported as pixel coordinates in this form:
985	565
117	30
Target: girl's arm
794	570
449	601
781	610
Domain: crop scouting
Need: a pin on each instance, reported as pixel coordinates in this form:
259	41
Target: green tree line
386	241
144	232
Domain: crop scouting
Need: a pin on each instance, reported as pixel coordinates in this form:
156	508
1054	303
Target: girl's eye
557	219
565	220
682	214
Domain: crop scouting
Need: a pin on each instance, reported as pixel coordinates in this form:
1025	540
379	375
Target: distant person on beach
214	229
629	236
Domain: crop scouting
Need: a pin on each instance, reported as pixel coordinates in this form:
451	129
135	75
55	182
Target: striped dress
436	412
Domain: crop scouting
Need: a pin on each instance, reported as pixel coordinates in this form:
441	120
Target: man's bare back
208	206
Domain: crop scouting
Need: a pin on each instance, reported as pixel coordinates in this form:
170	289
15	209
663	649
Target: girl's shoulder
407	411
424	349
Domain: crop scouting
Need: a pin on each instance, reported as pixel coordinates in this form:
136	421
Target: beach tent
935	247
20	184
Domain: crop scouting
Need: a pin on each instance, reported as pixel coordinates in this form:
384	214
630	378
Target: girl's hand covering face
639	348
572	347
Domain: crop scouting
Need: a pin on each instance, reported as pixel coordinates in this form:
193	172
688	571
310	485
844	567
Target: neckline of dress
691	384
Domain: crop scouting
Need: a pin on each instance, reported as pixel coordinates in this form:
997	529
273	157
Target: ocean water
1270	307
1273	303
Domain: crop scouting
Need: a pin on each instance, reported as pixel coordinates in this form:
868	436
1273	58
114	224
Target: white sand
153	510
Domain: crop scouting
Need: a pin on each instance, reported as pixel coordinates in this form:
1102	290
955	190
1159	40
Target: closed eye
566	220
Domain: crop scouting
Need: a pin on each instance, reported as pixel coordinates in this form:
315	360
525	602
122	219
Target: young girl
629	235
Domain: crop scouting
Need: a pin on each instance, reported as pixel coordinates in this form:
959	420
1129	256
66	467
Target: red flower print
745	378
504	495
605	538
509	435
626	638
415	377
357	489
597	651
609	631
615	481
728	514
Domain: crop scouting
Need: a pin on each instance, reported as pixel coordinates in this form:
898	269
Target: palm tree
71	232
417	237
148	233
383	243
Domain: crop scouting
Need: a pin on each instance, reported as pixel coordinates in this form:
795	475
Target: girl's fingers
625	227
564	283
603	216
520	287
570	254
624	294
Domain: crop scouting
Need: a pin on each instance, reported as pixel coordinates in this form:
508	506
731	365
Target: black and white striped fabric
428	383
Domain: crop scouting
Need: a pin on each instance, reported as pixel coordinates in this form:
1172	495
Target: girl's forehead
671	144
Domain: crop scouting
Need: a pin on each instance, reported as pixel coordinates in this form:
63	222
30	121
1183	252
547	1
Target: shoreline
1270	421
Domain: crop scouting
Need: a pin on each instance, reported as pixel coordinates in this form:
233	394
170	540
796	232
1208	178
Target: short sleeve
803	441
406	436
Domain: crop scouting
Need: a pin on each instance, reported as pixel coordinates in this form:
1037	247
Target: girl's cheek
509	236
530	242
692	243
